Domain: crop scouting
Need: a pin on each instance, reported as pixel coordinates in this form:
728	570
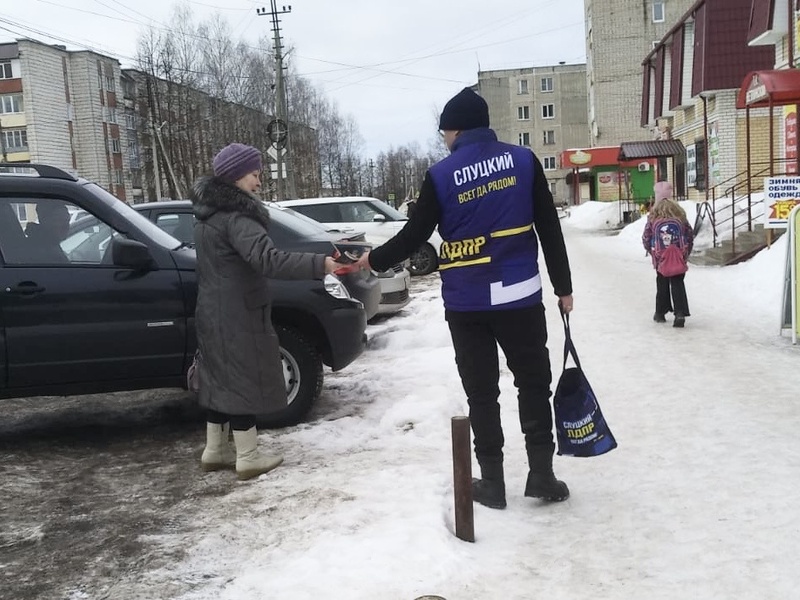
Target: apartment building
139	136
619	34
691	81
543	108
59	107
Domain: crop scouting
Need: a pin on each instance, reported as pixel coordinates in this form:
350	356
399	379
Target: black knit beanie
465	110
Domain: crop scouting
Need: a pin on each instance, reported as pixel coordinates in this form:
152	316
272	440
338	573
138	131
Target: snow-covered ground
699	501
594	216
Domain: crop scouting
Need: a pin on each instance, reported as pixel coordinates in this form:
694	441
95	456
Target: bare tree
200	89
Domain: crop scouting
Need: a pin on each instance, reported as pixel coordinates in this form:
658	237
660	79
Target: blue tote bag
581	429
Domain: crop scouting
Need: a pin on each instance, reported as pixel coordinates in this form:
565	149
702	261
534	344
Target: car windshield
305	218
141	222
294	221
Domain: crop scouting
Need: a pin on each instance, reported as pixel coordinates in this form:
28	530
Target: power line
243	21
113	54
97	50
467	36
368	68
487	29
89	12
58	38
123	6
217	7
355	68
409	59
135	22
444	53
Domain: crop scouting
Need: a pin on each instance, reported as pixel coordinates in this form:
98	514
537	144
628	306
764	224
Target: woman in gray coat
240	372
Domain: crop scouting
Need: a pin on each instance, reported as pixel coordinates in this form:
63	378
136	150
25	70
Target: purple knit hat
235	161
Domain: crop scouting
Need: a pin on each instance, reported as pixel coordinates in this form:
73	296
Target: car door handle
25	288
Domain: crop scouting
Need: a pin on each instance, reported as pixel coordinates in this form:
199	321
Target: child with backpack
668	239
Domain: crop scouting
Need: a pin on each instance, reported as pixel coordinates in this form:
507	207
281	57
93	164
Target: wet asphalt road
83	479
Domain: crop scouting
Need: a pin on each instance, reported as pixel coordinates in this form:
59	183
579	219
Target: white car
395	282
375	218
75	214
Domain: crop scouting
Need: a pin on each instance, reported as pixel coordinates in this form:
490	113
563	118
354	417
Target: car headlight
335	287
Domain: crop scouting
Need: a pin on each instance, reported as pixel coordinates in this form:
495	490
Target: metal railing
733	209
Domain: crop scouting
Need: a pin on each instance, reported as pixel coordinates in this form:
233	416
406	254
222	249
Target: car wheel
423	261
302	372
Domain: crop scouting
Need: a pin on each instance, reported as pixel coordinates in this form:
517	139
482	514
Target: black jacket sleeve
416	231
548	229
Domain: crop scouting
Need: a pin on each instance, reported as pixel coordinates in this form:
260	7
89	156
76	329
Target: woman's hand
330	265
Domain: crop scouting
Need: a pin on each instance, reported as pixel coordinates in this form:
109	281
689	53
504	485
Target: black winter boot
490	489
542	483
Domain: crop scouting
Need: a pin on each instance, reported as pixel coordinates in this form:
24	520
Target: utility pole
156	169
281	142
371	167
176	185
3	141
154	141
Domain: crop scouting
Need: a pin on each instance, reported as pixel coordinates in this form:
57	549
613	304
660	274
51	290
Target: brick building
774	26
543	108
690	82
619	33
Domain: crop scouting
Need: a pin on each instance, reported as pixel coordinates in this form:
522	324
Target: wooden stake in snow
462	478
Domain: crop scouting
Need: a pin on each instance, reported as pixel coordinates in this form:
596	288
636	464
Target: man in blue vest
493	208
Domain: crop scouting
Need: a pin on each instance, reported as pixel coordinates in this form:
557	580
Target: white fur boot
218	453
249	462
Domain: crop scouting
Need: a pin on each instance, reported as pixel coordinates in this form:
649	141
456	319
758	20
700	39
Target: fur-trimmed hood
211	195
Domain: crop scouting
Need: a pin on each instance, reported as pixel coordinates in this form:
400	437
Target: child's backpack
669	247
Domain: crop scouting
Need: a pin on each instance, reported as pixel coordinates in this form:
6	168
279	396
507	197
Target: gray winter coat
240	371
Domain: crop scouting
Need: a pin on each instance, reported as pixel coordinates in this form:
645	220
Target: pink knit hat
662	189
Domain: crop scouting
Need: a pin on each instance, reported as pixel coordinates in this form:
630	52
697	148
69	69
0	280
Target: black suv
107	303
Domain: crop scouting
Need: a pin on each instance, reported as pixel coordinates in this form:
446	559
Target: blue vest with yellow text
489	257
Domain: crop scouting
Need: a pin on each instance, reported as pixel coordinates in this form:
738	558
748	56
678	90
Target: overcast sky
391	65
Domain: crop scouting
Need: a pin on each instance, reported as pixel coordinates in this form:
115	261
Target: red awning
598	156
781	86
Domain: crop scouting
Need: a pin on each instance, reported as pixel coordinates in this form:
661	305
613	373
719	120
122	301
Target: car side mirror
379	218
131	254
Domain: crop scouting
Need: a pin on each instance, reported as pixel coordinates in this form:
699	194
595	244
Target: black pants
238	422
522	334
675	285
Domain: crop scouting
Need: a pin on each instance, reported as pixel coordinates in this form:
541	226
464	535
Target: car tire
423	261
302	366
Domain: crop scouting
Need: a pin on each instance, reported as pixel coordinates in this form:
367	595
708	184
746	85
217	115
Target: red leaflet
345	269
